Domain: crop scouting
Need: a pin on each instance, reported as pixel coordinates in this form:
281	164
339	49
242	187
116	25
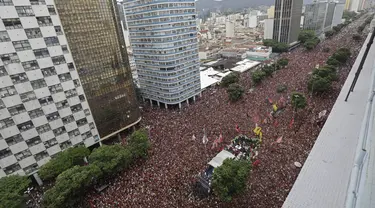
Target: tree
318	84
332	61
268	70
298	101
269	42
111	159
258	76
230	178
12	191
63	161
139	144
336	29
342	55
309	45
283	62
305	35
235	92
326	72
329	33
230	79
71	185
280	48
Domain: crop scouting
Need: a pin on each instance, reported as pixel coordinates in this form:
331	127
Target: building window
55	88
9	58
2	106
36	113
7	91
51	41
30	65
71	66
5	153
41	53
59	131
33	33
37	2
62	104
25	126
37	84
12	168
3	71
14	139
71	93
27	96
53	116
65	77
76	83
68	119
49	71
6	3
22	45
4	37
31	168
24	11
65	145
19	78
41	155
50	143
64	48
17	109
51	10
12	23
81	122
58	30
5	123
76	108
87	112
45	101
33	141
22	155
92	125
44	128
44	21
57	60
73	133
86	135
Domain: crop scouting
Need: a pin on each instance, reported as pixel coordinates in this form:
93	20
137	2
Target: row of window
15	23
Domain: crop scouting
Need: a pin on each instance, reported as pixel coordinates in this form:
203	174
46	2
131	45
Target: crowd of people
178	154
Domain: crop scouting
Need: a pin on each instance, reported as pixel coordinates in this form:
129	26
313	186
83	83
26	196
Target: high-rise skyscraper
96	40
164	40
287	20
43	107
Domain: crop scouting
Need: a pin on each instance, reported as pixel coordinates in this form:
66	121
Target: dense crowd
178	154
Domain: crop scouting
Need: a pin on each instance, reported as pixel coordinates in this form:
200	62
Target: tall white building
229	29
43	108
164	39
268	28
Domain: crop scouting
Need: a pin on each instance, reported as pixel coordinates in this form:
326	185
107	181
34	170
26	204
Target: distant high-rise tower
287	20
43	107
164	40
96	40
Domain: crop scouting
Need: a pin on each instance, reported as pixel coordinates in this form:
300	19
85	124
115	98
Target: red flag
270	101
291	123
238	128
256	163
221	139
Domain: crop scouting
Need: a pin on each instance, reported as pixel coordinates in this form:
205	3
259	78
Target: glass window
17	109
51	10
41	53
76	108
59	131
65	77
27	96
22	45
4	37
24	11
51	41
10	58
76	83
45	101
5	123
53	116
33	33
19	78
74	133
58	30
2	106
31	168
5	153
25	126
87	112
36	84
7	91
50	143
65	144
37	2
14	139
71	66
41	155
12	168
49	71
12	23
62	104
55	88
44	21
81	122
86	135
68	119
33	141
65	49
3	71
71	93
36	113
57	60
22	155
6	3
44	128
30	65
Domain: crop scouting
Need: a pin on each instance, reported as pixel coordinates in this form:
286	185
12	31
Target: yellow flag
274	107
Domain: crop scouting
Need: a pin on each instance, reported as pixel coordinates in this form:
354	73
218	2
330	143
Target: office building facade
322	16
287	20
43	107
97	44
163	36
